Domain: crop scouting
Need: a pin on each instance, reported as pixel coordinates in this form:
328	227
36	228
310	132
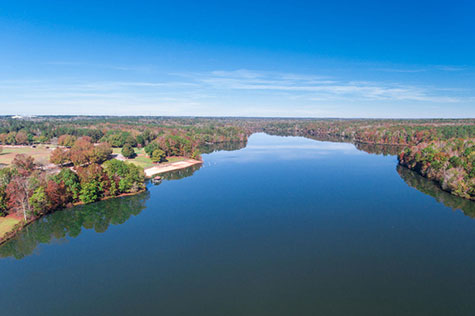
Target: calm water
286	226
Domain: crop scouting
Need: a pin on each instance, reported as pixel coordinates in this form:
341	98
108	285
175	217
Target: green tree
70	180
129	176
39	201
150	148
128	151
158	155
90	192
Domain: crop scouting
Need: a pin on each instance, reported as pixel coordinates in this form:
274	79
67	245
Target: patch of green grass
175	159
142	161
7	224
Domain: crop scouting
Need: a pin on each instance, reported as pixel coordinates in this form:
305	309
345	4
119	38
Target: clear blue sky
240	58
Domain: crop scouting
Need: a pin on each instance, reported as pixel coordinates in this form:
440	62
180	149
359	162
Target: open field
143	160
41	153
7	224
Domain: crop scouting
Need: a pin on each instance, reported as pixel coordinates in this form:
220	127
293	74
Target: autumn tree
57	195
21	138
82	151
60	156
24	164
66	140
101	153
19	191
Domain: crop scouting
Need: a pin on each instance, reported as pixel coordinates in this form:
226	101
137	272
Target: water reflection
428	187
181	173
378	149
70	223
228	146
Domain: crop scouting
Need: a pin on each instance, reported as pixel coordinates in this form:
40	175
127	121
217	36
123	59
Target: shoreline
22	224
436	182
149	173
170	166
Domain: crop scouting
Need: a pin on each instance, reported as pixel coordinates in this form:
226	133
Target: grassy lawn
7	224
141	159
175	159
40	154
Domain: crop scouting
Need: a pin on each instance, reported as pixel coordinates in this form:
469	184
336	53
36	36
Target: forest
451	163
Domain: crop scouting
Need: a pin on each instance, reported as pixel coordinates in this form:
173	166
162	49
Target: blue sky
243	58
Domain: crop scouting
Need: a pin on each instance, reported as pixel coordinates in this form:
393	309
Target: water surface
285	226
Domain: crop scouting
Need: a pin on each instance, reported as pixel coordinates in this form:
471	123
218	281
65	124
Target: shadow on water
70	223
428	187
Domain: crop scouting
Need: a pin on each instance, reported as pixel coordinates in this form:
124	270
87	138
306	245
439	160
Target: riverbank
171	166
451	164
12	224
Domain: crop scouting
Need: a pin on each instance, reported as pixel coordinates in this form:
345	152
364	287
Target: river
284	226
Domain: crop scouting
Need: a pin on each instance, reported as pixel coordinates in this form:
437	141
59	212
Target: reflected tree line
98	216
431	188
228	146
71	222
378	149
181	173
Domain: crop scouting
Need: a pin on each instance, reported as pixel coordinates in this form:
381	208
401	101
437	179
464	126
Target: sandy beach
165	167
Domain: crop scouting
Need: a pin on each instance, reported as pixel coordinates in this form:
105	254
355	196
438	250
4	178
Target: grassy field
7	224
175	159
40	154
143	160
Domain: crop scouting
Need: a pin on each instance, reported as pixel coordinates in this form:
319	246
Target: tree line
31	191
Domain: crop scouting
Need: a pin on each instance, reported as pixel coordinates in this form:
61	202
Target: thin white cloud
450	68
223	92
321	89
